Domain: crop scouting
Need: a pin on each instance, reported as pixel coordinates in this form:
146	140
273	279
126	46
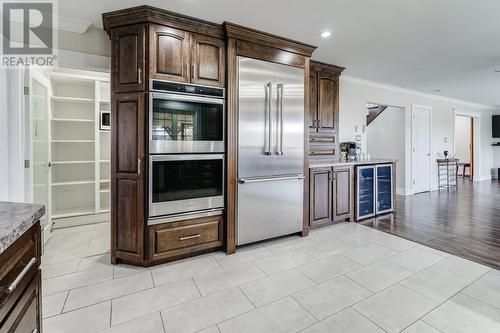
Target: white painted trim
413	167
415	92
476	163
481	179
404	191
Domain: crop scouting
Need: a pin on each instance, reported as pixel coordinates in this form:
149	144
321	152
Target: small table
447	173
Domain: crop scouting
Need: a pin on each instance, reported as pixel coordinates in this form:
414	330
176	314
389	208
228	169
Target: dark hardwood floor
463	222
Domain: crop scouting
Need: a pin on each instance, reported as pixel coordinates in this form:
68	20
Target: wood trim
305	222
232	145
267	53
253	36
324	67
143	14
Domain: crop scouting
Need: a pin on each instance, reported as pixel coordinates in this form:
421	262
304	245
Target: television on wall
496	126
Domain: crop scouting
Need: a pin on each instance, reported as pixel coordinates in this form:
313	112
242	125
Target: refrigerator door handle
279	116
268	179
269	130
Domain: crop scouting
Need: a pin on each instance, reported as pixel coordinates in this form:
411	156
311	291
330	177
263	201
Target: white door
421	149
38	111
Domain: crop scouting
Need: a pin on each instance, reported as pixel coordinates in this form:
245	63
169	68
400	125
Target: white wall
462	138
355	93
385	138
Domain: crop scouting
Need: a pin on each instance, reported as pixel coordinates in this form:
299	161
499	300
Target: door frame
31	74
475	140
413	139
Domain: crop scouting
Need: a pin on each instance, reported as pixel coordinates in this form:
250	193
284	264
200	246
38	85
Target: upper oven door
185	124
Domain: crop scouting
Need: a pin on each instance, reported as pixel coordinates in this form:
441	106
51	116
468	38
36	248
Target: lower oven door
185	183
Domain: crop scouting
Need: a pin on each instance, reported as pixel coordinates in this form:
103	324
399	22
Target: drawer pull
189	237
10	288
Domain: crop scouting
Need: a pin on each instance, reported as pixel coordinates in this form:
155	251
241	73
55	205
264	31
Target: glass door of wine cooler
384	188
365	192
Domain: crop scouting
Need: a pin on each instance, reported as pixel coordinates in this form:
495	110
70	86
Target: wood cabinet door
313	100
169	54
128	58
343	193
328	100
128	175
320	196
208	60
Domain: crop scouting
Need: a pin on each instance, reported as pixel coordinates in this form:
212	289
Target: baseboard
404	191
481	179
81	220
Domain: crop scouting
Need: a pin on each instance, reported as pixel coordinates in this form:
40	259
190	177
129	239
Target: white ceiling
452	45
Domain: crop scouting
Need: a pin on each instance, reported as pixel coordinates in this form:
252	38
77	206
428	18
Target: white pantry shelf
72	162
72	183
73	141
73	120
72	99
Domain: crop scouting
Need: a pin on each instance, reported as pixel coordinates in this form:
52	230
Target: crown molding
242	33
149	14
417	93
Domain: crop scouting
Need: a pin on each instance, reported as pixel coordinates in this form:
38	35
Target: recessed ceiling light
326	34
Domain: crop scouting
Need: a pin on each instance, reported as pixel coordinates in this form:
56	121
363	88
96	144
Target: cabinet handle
318	123
192	70
139	166
139	76
189	237
11	287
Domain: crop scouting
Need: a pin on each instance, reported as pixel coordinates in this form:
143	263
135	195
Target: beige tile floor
343	278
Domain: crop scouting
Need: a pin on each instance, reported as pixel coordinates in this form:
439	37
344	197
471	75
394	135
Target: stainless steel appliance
181	184
270	150
185	118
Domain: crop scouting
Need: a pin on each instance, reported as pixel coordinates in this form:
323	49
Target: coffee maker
351	149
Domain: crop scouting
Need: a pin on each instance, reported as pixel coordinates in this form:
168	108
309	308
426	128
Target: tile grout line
371	321
162	322
440	304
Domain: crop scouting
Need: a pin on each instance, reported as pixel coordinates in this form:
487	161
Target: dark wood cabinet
343	193
330	195
20	309
151	43
174	240
208	59
182	56
323	109
313	99
320	196
128	58
170	54
327	102
128	176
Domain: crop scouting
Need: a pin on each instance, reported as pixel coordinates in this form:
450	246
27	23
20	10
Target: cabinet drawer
24	317
18	265
186	236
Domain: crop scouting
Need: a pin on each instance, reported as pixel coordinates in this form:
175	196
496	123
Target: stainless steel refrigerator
270	150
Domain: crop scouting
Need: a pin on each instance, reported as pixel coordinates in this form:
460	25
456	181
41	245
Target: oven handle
156	158
186	98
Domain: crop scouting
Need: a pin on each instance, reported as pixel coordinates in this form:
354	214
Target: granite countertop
324	163
15	219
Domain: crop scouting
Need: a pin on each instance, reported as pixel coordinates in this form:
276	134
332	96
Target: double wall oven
186	151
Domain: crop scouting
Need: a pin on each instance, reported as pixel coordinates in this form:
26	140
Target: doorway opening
386	137
464	146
